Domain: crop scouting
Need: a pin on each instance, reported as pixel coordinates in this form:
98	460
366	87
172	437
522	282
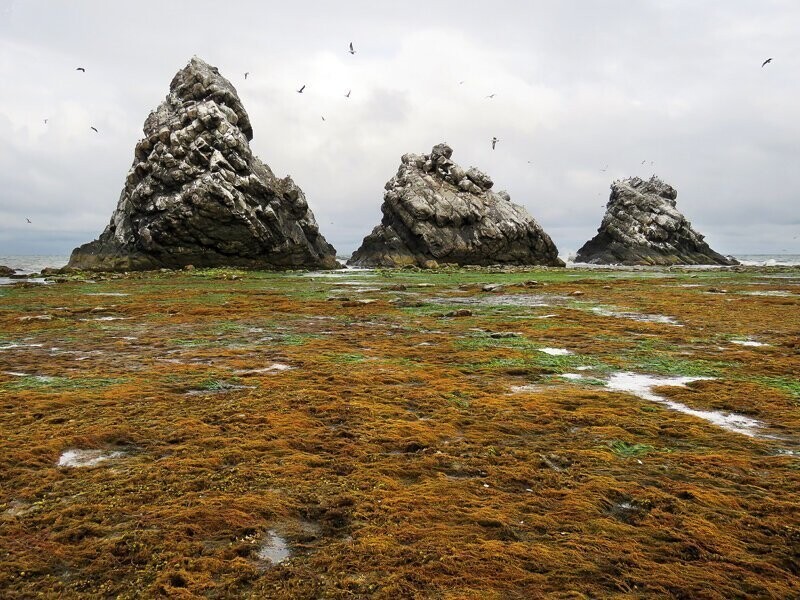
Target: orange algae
395	457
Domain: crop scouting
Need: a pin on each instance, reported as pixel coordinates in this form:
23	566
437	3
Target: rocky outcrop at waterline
197	195
642	226
435	212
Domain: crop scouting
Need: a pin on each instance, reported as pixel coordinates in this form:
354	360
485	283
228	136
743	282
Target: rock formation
196	194
436	212
642	227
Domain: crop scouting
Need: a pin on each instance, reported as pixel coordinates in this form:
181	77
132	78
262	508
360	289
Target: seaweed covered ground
402	434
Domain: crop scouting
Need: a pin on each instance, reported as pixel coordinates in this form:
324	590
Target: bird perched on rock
766	62
494	142
300	91
81	69
352	50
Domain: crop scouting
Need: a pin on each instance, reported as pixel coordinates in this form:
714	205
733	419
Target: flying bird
45	121
766	62
347	95
323	118
27	219
461	82
494	141
94	129
300	91
490	96
604	169
352	51
246	74
81	69
644	161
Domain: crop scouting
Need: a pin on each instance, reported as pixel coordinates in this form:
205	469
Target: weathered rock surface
436	212
642	227
196	194
6	271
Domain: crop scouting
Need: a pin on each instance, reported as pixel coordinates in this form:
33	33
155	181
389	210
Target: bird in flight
494	141
45	121
530	162
644	161
27	219
766	62
300	91
347	95
461	82
94	129
81	69
604	169
490	96
352	50
323	118
246	74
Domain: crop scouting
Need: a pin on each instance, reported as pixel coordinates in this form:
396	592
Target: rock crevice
642	226
436	212
197	195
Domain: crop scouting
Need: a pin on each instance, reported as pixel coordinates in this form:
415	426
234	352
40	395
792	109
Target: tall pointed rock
642	227
197	195
436	212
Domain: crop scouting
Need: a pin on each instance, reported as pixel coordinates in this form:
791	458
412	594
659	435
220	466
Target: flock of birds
351	50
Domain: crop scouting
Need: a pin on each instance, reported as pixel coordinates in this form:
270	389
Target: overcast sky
579	85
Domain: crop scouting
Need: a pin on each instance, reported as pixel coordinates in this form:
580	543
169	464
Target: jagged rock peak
434	212
642	226
197	195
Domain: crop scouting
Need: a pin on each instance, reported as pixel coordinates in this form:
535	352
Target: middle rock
436	212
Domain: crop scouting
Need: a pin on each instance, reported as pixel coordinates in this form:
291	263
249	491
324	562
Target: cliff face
436	212
642	226
195	193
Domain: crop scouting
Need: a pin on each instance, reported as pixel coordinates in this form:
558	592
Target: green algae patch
270	442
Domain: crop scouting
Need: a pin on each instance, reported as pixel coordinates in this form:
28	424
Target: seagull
27	219
352	51
300	91
644	161
530	162
347	95
604	169
323	118
246	74
461	82
81	69
766	62
490	96
494	141
45	121
94	129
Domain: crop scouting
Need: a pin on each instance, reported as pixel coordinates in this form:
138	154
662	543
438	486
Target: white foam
642	386
85	458
555	351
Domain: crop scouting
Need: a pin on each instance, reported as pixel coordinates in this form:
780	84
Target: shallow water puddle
273	368
642	386
555	351
86	458
751	343
644	318
274	549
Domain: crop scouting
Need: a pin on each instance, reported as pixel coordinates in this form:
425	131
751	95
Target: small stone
461	312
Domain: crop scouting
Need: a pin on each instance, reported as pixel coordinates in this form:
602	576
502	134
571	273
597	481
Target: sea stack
196	195
435	212
642	227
